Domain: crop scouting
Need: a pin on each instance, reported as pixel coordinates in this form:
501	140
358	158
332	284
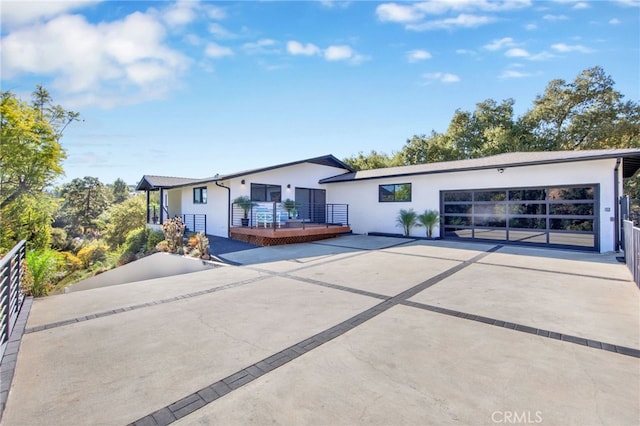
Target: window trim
395	190
202	190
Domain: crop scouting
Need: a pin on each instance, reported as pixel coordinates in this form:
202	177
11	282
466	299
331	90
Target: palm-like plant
407	219
429	219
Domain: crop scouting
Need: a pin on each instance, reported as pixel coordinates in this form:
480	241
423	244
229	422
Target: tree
120	191
84	201
428	149
373	160
124	218
407	219
585	114
30	160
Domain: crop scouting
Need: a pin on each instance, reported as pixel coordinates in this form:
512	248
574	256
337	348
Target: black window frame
381	198
265	187
198	193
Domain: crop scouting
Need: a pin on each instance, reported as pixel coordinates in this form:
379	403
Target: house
565	199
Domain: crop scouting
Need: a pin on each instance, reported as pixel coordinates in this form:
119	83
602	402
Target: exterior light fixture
500	170
242	181
288	186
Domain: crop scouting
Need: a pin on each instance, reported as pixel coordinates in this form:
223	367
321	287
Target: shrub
173	230
136	240
126	257
429	219
407	219
59	239
153	238
202	245
163	246
95	251
41	267
71	262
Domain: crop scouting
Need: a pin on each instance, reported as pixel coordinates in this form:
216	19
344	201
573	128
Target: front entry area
562	216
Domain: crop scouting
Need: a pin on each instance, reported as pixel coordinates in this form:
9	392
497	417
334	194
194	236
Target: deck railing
631	249
11	296
195	222
276	215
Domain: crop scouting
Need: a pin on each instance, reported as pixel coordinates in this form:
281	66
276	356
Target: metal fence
12	268
195	222
279	215
631	248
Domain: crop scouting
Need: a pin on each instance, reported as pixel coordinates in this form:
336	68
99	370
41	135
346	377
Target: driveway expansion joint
623	350
194	401
141	306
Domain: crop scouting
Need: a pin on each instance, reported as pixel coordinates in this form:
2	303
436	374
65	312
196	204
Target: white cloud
123	61
393	12
181	12
513	74
214	50
629	3
418	55
466	52
262	46
338	53
553	18
297	48
16	13
442	77
542	56
214	12
500	43
581	5
565	48
221	32
614	21
335	4
461	21
530	27
516	52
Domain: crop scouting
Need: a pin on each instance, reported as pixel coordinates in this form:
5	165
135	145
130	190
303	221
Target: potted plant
289	205
245	204
407	219
429	219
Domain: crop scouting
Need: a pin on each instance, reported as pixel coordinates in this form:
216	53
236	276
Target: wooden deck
279	236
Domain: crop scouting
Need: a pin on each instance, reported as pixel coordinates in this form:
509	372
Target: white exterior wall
367	214
304	175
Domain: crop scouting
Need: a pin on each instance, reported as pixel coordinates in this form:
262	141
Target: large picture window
200	195
264	192
399	192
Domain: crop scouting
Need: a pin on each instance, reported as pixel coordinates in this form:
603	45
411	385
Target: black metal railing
153	215
631	250
195	222
278	215
12	269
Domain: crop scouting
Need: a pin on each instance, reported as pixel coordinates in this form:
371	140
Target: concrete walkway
356	330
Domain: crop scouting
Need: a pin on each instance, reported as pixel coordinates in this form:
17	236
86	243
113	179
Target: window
262	192
200	195
394	193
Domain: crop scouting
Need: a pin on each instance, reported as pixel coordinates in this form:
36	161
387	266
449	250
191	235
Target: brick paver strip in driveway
196	400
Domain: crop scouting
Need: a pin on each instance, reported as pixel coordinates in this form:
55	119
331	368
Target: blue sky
193	88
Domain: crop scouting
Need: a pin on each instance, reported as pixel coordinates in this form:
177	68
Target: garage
559	216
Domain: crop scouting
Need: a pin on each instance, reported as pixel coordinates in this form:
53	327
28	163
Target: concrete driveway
355	330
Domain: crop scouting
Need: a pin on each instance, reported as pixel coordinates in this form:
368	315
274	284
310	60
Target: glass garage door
564	216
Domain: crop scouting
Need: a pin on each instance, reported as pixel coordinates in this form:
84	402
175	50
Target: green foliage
429	219
42	265
119	191
153	238
244	203
95	251
84	201
373	160
59	239
30	160
126	257
407	219
289	205
173	230
123	218
71	261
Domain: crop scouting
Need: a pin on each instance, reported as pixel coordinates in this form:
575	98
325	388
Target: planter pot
244	221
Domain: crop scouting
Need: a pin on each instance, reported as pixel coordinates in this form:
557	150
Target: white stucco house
568	199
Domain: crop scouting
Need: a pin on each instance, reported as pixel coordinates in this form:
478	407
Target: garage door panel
562	215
